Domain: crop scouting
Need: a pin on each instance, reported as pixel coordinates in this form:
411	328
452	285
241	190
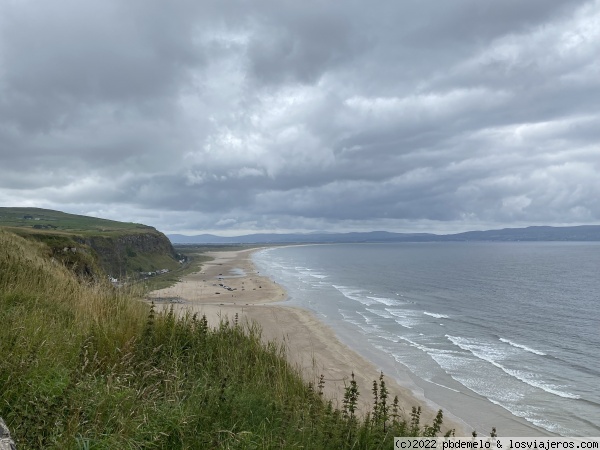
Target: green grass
57	221
84	365
104	247
193	264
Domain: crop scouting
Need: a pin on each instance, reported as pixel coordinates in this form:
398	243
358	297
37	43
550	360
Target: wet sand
230	285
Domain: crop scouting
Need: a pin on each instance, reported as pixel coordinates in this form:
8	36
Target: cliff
93	247
134	252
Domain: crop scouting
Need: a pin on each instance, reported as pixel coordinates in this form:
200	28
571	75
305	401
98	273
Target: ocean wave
306	272
318	275
523	347
366	330
368	319
380	313
531	416
350	319
353	294
445	387
385	301
416	344
437	316
488	352
429	350
404	317
390	338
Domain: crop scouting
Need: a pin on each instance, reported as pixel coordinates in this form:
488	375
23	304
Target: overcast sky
257	116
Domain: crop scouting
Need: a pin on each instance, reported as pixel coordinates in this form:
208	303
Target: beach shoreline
230	286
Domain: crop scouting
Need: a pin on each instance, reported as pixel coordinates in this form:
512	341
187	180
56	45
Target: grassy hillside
46	219
88	366
93	247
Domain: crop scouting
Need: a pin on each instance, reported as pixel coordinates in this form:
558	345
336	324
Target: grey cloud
275	115
301	42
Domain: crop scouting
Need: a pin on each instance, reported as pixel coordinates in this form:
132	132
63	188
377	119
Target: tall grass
88	366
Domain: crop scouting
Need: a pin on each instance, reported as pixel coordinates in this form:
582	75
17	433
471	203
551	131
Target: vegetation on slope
88	366
91	246
47	219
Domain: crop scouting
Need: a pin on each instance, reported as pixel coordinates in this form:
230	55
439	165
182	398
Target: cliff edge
94	247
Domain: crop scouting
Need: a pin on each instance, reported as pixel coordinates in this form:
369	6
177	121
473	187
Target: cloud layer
244	116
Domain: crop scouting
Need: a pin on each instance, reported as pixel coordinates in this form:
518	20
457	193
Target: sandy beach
230	284
311	346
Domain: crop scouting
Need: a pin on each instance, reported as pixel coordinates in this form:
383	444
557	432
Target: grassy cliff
85	365
93	246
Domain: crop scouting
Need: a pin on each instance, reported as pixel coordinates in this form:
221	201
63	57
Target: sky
238	116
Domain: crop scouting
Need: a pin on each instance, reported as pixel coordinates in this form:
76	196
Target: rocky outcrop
116	253
92	247
6	442
130	252
126	245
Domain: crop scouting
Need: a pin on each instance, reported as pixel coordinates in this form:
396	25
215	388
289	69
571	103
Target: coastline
230	284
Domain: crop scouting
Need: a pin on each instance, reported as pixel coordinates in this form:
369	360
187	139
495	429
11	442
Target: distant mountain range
540	233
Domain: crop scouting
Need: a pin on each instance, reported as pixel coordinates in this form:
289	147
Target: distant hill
275	238
91	245
538	233
48	219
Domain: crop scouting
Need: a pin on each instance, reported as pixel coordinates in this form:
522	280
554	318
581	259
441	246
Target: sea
514	323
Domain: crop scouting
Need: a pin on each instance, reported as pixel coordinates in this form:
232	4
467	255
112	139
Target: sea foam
523	347
491	354
354	294
437	316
